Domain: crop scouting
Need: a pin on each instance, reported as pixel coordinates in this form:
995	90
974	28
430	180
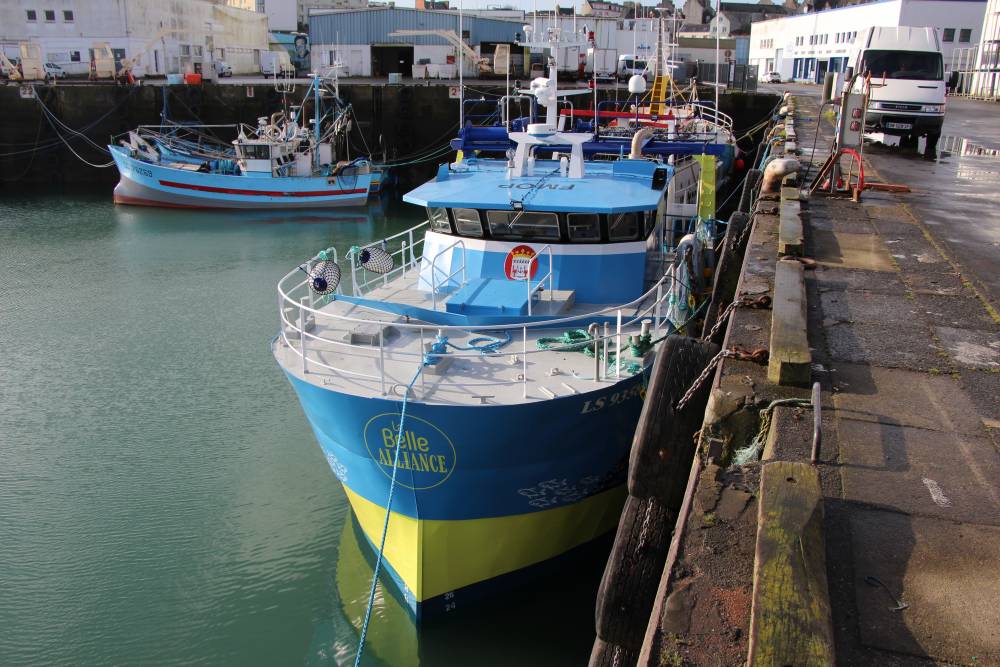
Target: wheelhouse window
438	218
584	227
623	226
528	225
31	14
50	16
467	222
650	219
965	35
68	15
256	151
949	35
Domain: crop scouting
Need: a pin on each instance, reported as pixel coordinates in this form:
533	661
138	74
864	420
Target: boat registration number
899	126
614	399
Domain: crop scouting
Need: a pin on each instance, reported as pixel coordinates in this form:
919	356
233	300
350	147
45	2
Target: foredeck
362	351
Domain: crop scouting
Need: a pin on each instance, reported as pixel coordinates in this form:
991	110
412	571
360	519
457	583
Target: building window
965	35
949	35
68	15
32	14
185	49
74	56
197	50
50	16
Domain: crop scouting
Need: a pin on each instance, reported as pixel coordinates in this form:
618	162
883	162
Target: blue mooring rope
388	511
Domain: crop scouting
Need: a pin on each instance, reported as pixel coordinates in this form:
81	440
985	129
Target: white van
907	94
630	65
279	62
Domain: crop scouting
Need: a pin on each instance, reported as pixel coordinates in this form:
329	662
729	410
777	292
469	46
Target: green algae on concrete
790	618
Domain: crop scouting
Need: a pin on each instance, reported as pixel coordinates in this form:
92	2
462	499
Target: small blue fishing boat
474	382
278	164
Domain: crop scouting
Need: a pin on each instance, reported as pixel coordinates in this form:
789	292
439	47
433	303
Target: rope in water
388	512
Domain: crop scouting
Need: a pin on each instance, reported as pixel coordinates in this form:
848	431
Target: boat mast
461	66
718	5
316	133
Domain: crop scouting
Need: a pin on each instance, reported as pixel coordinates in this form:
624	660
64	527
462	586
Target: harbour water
162	499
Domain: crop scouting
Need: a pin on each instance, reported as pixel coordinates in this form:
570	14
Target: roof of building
373	26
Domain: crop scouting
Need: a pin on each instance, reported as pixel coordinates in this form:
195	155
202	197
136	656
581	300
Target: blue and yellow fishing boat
486	367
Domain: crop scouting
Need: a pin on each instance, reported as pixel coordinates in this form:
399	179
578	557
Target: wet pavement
955	193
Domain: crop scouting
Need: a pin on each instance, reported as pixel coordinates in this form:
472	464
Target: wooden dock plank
790	621
790	358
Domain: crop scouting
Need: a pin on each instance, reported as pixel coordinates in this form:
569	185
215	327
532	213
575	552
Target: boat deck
343	351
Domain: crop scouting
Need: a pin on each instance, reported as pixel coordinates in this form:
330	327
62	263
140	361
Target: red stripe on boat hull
263	193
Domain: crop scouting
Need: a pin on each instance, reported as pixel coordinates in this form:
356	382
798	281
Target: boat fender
775	172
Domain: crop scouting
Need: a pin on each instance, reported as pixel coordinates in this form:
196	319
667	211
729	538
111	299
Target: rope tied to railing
388	513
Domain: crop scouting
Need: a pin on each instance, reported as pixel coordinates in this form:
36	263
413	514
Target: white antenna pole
461	66
534	18
718	5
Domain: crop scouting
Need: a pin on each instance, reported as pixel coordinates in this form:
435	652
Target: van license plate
898	126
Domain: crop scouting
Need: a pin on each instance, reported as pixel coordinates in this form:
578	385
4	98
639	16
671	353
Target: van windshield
918	65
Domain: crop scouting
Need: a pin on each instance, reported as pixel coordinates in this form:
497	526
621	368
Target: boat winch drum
375	259
324	277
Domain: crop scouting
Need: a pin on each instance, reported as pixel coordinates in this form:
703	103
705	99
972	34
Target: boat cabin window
439	220
256	151
650	218
467	222
584	227
526	225
623	226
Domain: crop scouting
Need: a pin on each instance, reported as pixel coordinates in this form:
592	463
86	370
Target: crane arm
447	35
128	63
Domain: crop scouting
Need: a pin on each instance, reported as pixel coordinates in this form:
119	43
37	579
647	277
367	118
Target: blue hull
150	184
483	492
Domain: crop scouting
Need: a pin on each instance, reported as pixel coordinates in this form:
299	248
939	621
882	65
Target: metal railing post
524	361
413	256
422	353
656	313
354	275
618	347
302	335
403	255
381	362
309	268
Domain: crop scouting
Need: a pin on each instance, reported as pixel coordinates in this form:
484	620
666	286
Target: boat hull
148	184
483	492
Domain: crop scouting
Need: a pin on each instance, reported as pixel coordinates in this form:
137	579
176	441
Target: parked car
222	68
771	77
53	71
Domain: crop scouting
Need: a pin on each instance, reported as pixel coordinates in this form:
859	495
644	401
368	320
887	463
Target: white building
806	46
168	37
282	15
986	76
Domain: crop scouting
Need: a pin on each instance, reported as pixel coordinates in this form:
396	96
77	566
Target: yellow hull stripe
434	557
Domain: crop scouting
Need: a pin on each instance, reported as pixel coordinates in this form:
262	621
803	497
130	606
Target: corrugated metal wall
372	26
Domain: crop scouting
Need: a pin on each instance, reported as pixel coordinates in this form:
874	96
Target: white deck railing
316	351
